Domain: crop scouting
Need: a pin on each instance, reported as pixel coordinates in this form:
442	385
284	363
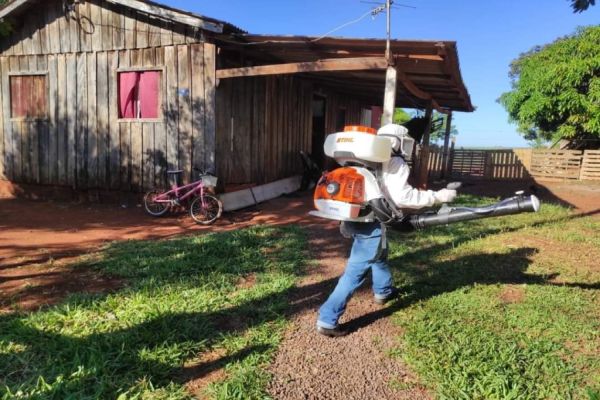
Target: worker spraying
369	194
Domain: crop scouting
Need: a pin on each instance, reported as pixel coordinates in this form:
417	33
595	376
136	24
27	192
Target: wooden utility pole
446	154
424	154
391	75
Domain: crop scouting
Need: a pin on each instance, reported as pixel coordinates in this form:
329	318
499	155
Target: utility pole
389	98
388	10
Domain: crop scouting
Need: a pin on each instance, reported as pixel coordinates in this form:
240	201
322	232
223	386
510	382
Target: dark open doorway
318	133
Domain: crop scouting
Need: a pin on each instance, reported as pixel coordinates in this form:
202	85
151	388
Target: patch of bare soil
357	366
30	287
583	196
203	372
582	257
512	294
39	239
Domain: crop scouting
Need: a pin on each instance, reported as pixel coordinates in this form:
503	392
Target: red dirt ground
33	233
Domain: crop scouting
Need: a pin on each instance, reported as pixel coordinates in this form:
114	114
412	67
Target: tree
5	26
556	88
581	5
438	128
400	116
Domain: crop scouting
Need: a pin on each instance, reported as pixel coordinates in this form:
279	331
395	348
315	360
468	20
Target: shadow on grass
87	347
106	363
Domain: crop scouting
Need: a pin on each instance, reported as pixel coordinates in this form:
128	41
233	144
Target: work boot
332	332
383	300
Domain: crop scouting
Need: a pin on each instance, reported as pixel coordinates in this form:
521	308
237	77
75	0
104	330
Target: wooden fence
480	164
590	166
556	164
515	164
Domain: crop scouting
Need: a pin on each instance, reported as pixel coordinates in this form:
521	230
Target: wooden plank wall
262	124
335	102
95	25
83	144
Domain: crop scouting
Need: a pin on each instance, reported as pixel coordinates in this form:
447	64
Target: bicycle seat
178	171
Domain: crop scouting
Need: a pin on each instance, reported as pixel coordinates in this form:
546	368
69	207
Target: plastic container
356	145
209	180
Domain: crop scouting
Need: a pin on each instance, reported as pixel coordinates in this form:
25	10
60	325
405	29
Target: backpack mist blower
355	191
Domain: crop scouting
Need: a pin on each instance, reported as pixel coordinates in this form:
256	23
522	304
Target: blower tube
449	215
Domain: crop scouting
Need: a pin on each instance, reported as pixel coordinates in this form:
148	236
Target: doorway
318	129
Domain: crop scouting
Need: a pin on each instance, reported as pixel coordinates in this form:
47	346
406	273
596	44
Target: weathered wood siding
262	124
85	145
336	102
251	132
94	25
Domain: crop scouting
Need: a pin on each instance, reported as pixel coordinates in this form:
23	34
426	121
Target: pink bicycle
204	207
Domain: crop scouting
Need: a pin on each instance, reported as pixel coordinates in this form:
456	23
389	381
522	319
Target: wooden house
107	95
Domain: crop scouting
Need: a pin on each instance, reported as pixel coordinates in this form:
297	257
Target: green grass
505	308
183	298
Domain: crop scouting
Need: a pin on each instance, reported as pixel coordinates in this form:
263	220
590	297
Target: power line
344	25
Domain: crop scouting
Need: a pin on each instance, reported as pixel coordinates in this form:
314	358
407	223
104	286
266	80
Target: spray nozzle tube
448	215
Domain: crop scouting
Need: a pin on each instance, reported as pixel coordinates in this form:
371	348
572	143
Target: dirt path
311	366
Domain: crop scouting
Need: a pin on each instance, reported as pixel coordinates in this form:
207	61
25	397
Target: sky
489	35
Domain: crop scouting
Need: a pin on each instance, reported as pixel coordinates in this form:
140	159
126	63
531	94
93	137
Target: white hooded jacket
396	187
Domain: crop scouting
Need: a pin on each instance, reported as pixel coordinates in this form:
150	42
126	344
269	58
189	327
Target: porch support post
446	154
389	98
424	155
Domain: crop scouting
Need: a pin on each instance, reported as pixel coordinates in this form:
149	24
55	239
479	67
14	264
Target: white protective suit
396	187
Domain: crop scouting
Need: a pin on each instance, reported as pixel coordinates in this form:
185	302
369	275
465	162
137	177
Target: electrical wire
370	12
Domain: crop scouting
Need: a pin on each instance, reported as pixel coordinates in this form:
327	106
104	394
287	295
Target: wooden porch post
389	99
446	143
424	155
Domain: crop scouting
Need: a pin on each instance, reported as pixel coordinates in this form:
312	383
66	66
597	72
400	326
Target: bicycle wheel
209	212
153	207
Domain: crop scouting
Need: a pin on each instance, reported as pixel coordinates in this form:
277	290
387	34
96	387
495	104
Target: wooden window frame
29	73
163	90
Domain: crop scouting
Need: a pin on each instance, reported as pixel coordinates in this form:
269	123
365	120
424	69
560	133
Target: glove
444	195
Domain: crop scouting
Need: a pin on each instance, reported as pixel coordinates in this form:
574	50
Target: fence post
450	158
424	156
446	141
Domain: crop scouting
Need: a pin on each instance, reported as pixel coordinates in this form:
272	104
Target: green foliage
438	130
581	5
416	121
539	143
5	26
556	88
401	116
183	298
502	308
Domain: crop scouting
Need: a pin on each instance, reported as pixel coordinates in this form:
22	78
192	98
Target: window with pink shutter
139	94
28	96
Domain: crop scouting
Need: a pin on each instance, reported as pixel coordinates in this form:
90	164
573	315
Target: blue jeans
367	237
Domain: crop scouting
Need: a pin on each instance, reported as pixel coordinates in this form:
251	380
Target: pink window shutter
149	92
127	94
